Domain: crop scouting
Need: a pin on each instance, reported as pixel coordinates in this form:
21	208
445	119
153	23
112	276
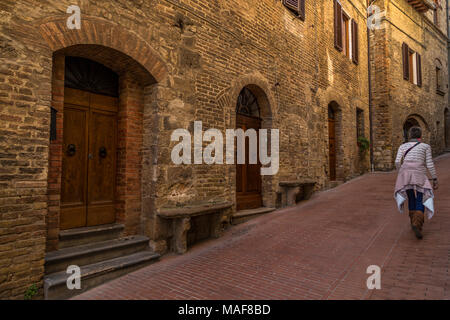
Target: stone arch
97	31
228	98
261	89
136	130
416	119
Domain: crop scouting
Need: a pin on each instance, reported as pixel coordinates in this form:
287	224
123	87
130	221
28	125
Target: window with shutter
337	25
355	42
298	6
405	53
301	10
345	34
419	69
436	12
412	65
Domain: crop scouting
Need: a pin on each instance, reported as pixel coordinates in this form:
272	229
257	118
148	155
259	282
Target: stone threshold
245	215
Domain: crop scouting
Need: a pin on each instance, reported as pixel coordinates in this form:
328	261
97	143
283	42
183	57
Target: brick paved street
317	250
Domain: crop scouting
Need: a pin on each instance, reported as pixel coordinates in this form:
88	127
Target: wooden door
332	147
89	159
248	176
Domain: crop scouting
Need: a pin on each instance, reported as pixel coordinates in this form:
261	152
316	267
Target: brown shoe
417	221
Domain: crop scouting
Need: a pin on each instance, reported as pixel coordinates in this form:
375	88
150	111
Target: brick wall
395	99
25	91
189	60
129	161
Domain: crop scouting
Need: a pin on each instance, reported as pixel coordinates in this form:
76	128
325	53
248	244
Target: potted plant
364	145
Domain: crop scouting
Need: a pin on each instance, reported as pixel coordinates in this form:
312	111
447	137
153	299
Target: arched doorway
332	120
248	176
100	98
447	128
89	148
410	122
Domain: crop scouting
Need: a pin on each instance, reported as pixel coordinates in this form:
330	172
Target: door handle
71	150
102	152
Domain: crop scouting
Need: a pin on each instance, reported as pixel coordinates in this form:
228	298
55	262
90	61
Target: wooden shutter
337	25
419	69
355	42
296	5
405	52
292	4
301	10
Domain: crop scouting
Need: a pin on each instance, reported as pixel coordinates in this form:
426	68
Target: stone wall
395	99
200	55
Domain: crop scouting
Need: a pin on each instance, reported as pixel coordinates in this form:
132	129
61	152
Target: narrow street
318	250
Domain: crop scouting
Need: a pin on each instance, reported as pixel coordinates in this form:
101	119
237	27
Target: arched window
411	122
436	12
87	75
247	104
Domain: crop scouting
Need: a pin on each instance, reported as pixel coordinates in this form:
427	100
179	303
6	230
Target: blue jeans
415	200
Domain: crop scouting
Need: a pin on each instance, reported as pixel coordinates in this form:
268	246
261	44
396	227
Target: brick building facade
177	62
409	64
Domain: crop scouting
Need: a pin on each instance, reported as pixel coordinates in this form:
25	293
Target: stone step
55	285
59	260
80	236
246	215
333	184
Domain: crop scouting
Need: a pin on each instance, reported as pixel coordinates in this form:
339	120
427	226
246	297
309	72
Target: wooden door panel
248	201
72	217
74	168
239	180
101	214
104	103
332	148
248	176
76	97
88	175
253	178
102	167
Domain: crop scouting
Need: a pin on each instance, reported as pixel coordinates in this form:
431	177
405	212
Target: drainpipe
370	92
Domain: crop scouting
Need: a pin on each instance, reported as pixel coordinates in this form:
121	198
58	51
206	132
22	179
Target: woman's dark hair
415	133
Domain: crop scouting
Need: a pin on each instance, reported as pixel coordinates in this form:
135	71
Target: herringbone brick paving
317	250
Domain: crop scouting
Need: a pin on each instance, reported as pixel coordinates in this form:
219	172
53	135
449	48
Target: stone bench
291	190
181	221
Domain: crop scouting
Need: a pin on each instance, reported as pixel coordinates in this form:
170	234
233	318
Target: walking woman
413	159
